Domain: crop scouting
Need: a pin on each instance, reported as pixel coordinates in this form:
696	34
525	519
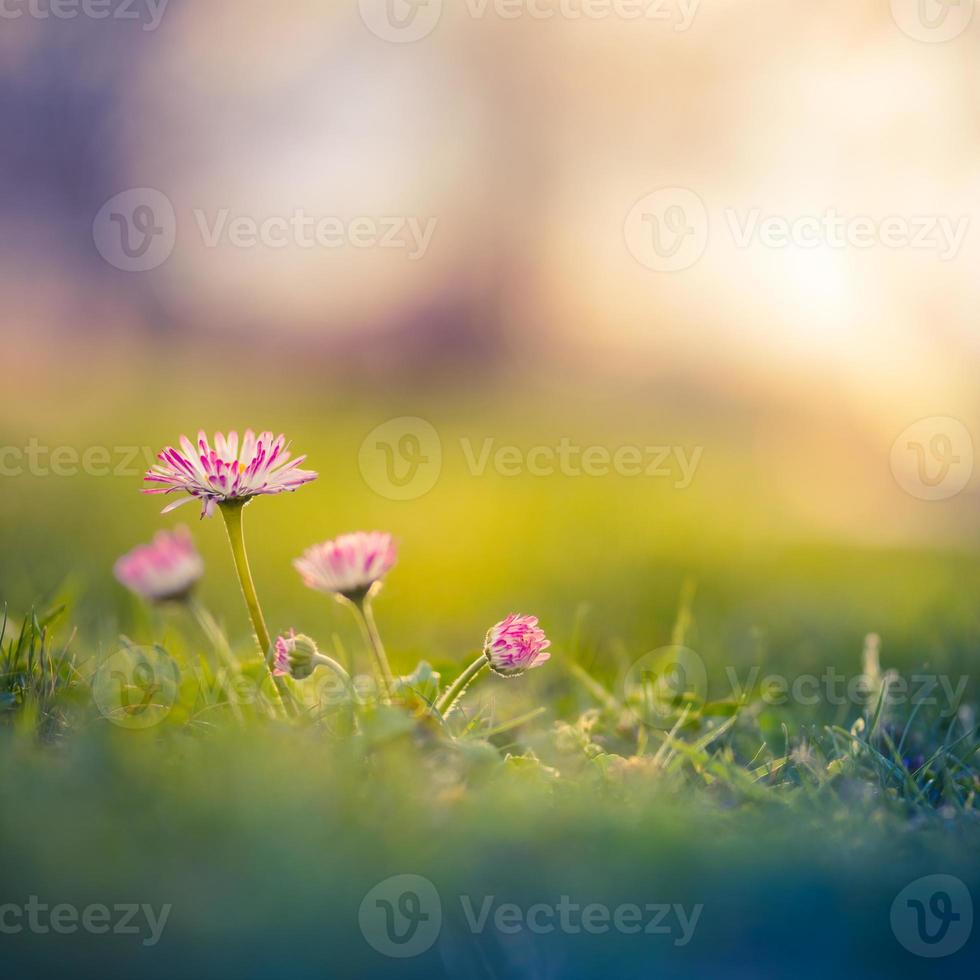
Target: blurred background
654	318
477	228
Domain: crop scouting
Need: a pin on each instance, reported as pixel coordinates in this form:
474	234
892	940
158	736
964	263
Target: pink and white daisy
167	568
516	644
262	465
350	565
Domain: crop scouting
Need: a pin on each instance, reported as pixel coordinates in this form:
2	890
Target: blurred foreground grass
263	836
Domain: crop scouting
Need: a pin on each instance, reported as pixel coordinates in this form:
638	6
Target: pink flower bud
515	645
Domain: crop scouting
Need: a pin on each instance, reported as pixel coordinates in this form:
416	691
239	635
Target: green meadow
750	738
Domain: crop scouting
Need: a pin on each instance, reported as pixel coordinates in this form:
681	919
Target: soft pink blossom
167	568
261	466
349	565
516	644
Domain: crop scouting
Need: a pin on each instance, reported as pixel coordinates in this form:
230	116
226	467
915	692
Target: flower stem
231	511
373	640
329	662
447	702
